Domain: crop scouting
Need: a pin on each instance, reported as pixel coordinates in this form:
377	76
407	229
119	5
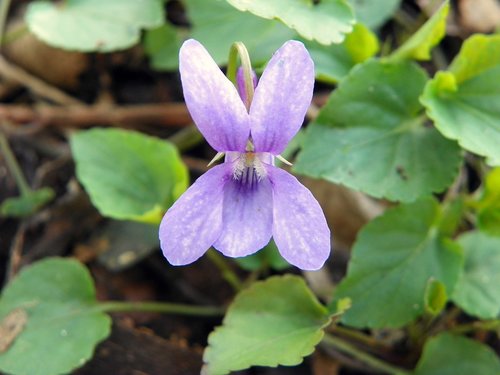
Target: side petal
247	217
299	228
282	97
212	100
194	222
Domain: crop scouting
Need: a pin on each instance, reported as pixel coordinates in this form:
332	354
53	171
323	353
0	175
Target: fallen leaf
11	326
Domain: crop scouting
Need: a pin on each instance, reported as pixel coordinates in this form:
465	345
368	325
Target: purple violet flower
238	205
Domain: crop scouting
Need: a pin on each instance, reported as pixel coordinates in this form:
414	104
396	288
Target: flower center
249	167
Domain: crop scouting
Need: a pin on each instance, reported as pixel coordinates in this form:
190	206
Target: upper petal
212	100
299	227
282	97
194	222
247	217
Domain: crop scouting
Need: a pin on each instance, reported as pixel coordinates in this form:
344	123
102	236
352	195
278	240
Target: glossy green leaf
448	354
420	44
162	46
332	63
217	25
374	13
465	102
370	136
63	324
326	22
274	322
27	204
93	25
269	256
128	175
488	207
394	258
477	291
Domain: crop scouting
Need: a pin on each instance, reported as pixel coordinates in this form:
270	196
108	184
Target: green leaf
392	262
374	13
162	46
274	322
27	204
371	137
420	44
332	63
93	25
464	101
217	25
128	175
63	324
477	291
448	354
269	256
435	297
488	206
326	22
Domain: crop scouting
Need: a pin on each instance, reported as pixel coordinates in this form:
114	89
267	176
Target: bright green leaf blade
162	46
435	297
488	207
93	25
274	322
392	261
374	13
27	204
369	136
63	324
217	25
332	63
466	106
477	291
420	44
449	354
128	175
326	22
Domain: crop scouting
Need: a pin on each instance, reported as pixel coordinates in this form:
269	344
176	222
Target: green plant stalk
239	49
13	166
4	10
364	357
485	325
186	138
160	307
227	272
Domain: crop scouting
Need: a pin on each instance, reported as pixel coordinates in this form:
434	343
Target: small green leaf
326	22
269	256
162	46
26	204
128	175
370	136
435	297
488	206
420	44
477	291
332	63
464	101
392	262
63	323
275	322
93	25
216	25
449	354
374	13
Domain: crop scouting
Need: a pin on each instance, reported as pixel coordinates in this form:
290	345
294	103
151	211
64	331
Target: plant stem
4	10
239	49
364	357
486	325
160	307
186	138
13	166
227	272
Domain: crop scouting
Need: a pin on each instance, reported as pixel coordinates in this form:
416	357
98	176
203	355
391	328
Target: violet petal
282	97
194	222
299	225
247	218
212	100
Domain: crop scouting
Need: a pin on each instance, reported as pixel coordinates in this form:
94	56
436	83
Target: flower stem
160	307
4	10
239	49
366	358
13	166
486	325
227	272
